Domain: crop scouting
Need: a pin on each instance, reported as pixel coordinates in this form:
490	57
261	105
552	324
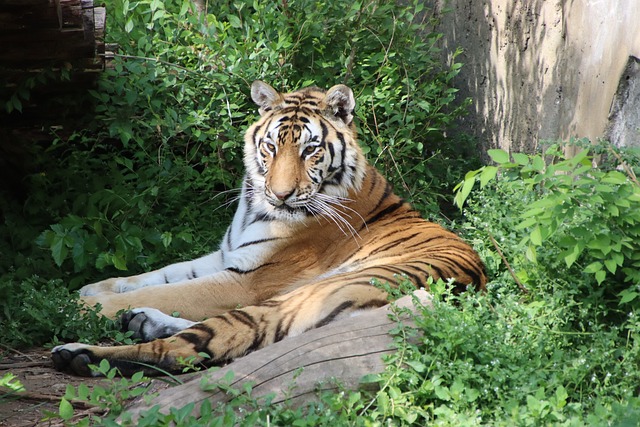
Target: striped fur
315	224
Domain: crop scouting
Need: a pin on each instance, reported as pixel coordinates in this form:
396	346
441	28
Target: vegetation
552	342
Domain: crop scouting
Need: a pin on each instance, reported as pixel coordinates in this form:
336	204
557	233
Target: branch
513	274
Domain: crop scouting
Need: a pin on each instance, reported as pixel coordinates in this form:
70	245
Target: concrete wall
541	69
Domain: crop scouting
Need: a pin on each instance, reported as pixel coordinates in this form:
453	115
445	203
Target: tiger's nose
283	195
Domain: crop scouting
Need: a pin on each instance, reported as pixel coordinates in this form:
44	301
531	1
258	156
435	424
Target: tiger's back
315	224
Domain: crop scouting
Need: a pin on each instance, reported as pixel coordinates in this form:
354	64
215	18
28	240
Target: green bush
582	220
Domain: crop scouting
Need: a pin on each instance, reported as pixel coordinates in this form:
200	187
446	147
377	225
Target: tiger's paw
149	324
74	358
109	286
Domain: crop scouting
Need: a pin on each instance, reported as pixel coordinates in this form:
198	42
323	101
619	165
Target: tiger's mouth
286	207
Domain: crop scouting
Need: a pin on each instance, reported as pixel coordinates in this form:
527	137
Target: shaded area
538	71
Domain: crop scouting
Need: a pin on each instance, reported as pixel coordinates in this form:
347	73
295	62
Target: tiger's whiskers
324	205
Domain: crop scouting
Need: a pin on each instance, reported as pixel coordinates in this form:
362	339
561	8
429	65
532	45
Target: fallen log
296	368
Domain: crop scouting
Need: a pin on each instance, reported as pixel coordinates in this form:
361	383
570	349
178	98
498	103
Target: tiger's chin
290	214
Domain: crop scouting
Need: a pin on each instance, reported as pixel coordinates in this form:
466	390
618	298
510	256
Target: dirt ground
44	388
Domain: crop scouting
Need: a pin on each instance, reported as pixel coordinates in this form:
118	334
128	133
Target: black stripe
199	343
243	317
239	271
260	217
255	131
344	146
386	211
374	303
269	303
374	183
393	244
388	190
413	278
256	242
228	236
223	318
280	331
335	312
204	328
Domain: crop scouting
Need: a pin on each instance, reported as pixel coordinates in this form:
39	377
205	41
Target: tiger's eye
270	147
309	149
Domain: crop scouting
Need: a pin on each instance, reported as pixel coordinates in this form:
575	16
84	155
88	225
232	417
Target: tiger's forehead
292	126
299	115
307	98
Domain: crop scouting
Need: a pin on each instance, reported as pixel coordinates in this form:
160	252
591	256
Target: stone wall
543	70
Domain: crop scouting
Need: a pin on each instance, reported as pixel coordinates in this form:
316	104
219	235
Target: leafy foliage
590	214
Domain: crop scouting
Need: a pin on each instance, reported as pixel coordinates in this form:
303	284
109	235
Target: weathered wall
541	69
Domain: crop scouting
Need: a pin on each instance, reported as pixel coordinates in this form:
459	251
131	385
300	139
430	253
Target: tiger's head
302	156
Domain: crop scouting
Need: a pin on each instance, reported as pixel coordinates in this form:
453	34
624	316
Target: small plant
46	311
9	386
110	399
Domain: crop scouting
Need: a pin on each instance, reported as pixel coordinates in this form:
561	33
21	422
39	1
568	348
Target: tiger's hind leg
231	334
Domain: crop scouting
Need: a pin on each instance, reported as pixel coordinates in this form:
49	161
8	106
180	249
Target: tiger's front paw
149	324
74	358
106	286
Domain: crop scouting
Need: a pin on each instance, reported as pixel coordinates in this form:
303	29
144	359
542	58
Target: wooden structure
36	33
51	52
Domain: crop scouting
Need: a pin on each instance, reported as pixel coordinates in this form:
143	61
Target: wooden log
295	368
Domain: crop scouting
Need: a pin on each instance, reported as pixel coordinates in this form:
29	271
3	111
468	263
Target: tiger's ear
265	96
340	103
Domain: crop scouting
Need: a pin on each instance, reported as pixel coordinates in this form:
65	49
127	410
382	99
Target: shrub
584	219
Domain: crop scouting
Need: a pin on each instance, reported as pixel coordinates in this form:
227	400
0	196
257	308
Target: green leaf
561	396
464	192
593	267
521	159
611	265
443	393
571	255
537	163
83	392
59	249
119	261
234	21
499	156
137	377
417	365
488	173
614	177
536	236
627	296
531	254
166	237
65	409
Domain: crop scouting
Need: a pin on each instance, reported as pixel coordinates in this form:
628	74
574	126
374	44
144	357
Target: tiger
315	227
